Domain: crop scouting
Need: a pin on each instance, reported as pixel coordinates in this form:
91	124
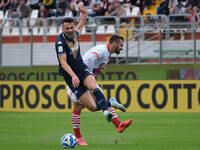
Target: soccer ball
68	141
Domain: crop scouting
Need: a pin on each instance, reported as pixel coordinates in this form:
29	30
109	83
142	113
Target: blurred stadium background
149	37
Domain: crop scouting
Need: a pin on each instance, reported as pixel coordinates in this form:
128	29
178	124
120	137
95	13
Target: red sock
76	123
115	119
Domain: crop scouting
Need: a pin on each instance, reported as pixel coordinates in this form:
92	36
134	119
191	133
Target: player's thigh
90	82
87	100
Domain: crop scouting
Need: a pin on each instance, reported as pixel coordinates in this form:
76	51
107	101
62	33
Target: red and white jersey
97	58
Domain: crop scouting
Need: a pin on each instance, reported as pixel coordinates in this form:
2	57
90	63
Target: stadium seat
34	16
110	29
100	29
6	31
41	31
15	31
25	32
52	31
83	30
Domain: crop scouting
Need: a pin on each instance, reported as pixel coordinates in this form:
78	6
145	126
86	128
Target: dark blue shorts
82	76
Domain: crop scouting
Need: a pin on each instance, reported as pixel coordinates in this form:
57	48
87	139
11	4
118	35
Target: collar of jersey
66	38
108	46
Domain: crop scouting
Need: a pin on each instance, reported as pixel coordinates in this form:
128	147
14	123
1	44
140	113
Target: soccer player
96	59
76	74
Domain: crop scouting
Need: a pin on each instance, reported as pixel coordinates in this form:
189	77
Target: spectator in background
93	3
111	9
147	4
1	4
68	13
193	3
127	2
150	22
172	4
180	8
12	15
105	6
34	4
24	10
73	10
6	5
164	8
193	12
43	14
86	2
136	29
50	6
60	11
109	12
120	11
77	3
139	3
12	12
96	6
14	5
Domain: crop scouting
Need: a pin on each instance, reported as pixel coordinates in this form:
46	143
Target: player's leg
87	100
120	126
91	84
76	122
113	102
82	95
115	119
76	116
123	125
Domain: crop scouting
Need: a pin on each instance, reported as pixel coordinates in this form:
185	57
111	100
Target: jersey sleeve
60	48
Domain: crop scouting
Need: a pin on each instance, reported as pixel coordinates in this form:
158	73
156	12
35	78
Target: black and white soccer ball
68	141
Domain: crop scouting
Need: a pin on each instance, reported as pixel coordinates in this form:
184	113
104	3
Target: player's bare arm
67	68
82	21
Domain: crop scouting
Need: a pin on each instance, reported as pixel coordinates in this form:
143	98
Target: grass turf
149	131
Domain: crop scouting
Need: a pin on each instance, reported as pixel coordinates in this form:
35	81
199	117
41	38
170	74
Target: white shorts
72	95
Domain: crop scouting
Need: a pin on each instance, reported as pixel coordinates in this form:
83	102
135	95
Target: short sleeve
60	49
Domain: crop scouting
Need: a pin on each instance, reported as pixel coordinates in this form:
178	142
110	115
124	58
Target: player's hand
75	81
82	9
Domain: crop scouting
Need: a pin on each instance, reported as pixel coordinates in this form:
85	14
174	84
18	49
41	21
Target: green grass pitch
149	131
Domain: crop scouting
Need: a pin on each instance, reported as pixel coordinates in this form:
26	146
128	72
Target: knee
78	108
92	87
91	107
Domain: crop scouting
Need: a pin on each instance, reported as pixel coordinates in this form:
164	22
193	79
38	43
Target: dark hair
68	20
115	38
